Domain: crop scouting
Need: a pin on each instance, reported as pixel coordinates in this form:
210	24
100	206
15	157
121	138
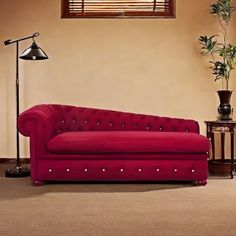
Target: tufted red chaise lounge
78	144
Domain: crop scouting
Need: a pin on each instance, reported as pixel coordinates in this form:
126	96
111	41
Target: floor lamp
32	53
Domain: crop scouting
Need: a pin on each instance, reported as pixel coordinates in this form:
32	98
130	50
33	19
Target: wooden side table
222	127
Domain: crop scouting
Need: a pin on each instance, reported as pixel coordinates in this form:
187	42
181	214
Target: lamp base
16	172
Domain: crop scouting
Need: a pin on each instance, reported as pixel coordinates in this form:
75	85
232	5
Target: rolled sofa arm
38	118
38	123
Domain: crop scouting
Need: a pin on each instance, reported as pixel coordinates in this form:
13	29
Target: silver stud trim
103	169
85	170
193	170
121	170
67	170
50	170
139	169
158	170
175	170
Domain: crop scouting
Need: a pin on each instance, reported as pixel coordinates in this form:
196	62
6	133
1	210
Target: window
117	8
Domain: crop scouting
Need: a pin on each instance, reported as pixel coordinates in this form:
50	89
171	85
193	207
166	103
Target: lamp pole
18	163
32	53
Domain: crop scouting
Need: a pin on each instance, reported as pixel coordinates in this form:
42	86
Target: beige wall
141	65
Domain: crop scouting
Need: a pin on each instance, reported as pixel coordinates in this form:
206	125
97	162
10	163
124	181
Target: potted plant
222	54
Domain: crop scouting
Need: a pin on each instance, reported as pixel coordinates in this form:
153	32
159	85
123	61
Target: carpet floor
151	209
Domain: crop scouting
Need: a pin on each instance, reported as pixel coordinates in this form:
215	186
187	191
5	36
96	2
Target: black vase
224	109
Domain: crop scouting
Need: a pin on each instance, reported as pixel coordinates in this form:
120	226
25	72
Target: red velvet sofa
82	144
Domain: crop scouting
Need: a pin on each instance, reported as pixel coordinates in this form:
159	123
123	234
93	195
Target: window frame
125	15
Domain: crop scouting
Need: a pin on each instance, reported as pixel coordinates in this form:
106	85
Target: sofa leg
37	182
200	182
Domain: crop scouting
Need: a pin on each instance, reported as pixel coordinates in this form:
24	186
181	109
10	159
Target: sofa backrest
71	118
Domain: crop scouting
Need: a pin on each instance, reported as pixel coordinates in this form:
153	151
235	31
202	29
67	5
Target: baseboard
13	160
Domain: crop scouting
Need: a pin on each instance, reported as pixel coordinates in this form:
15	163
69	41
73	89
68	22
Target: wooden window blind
117	8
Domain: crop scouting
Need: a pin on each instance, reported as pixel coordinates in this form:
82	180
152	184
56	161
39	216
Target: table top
221	122
219	126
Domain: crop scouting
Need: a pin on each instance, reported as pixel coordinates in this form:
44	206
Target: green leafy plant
223	54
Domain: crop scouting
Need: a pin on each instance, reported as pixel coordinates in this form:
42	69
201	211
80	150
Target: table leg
223	146
232	154
213	145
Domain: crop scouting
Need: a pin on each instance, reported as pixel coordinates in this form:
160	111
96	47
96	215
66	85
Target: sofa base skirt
120	170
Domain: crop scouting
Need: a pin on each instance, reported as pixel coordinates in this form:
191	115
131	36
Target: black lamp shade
34	53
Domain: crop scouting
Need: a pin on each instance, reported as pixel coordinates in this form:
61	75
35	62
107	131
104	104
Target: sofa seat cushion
127	142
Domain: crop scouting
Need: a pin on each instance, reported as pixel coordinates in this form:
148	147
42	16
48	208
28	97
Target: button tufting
98	123
148	127
73	121
59	131
186	130
161	128
110	124
85	121
122	125
62	121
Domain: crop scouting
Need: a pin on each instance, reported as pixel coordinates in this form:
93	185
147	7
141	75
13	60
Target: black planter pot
224	109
